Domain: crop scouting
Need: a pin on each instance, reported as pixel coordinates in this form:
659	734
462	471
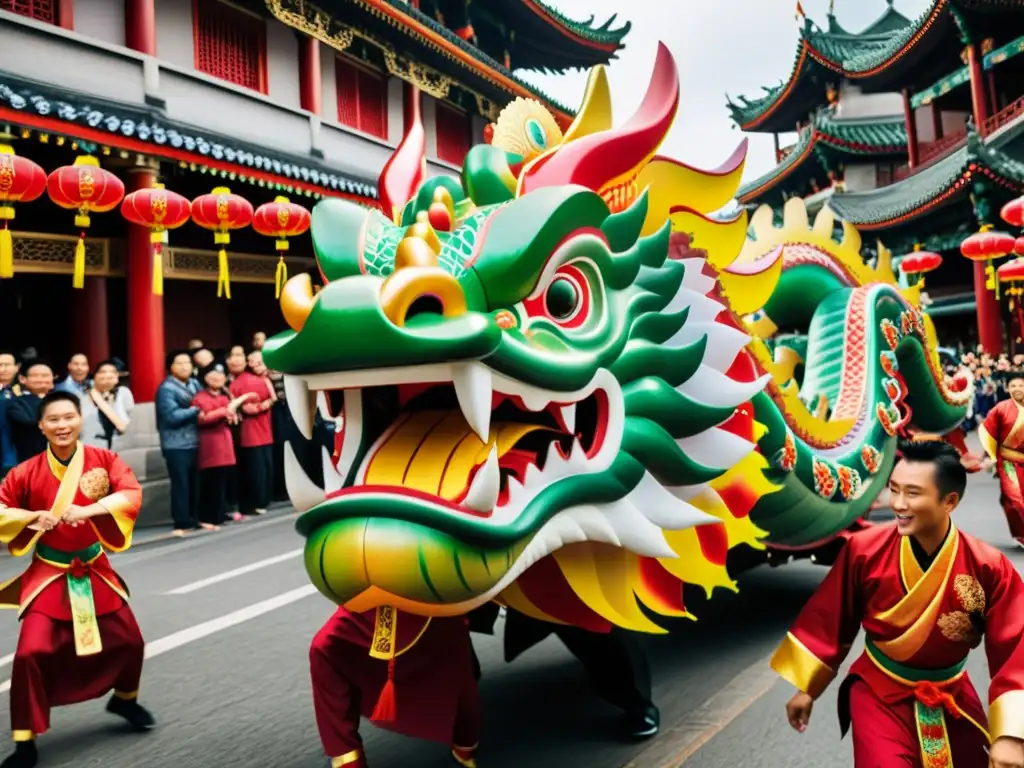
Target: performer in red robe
407	673
1002	437
78	638
926	594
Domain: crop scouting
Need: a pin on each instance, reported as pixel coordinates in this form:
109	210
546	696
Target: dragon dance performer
926	594
78	639
1002	437
406	673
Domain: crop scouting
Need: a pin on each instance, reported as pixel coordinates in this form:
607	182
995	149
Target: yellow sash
918	611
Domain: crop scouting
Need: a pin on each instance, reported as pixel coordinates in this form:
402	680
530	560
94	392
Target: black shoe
137	715
25	756
643	723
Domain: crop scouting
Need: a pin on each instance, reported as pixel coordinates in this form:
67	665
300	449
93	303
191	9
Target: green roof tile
603	34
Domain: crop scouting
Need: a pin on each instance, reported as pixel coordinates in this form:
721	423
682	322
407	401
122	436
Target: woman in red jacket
256	437
217	412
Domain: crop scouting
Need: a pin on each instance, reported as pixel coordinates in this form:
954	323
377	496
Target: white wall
282	64
860	178
174	41
396	110
854	103
104	20
328	85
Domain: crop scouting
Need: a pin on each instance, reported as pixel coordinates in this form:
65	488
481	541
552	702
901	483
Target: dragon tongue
435	452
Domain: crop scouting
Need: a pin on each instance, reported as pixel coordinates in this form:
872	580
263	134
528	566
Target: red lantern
1012	272
986	245
919	262
1018	246
87	188
281	219
221	212
158	210
1013	212
21	181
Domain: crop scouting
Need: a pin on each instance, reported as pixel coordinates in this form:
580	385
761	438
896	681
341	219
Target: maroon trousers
885	735
436	693
47	673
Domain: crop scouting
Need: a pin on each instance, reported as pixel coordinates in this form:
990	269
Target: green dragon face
497	385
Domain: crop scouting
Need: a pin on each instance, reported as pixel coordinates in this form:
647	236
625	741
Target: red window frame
357	88
47	11
449	122
242	23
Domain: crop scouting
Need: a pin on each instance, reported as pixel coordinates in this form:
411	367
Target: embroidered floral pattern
959	626
824	479
885	418
383	643
785	457
849	482
95	484
970	593
931	731
871	457
889	363
892	335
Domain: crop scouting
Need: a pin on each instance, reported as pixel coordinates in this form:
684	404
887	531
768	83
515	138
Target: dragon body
566	387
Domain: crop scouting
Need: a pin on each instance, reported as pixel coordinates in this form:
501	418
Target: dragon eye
562	298
535	133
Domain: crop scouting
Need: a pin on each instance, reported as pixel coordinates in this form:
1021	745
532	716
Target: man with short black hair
23	411
926	594
78	639
77	380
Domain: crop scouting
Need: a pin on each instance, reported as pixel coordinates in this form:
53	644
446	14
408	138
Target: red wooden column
978	97
145	310
66	14
908	116
140	32
310	86
90	333
990	327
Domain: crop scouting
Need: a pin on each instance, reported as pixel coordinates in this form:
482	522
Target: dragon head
539	393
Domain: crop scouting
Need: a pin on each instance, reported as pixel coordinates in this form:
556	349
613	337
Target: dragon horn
612	157
406	169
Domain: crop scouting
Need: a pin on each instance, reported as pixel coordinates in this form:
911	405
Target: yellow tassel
223	276
6	252
78	278
158	271
280	277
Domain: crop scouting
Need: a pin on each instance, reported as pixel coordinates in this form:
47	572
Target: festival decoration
502	439
221	212
1012	273
986	245
281	219
1013	212
21	181
85	188
919	263
159	210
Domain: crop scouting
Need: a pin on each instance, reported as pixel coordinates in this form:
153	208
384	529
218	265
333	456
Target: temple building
911	129
265	97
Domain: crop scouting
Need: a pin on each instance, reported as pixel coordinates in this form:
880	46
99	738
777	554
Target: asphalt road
227	676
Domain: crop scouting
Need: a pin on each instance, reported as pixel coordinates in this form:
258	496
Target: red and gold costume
78	639
407	673
1002	437
908	696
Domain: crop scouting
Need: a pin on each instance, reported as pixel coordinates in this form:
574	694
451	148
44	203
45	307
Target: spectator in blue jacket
177	422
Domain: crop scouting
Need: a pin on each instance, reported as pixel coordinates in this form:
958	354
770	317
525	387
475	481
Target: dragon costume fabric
569	385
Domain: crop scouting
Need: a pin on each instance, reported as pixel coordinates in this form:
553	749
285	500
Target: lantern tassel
6	252
280	277
158	269
78	277
223	275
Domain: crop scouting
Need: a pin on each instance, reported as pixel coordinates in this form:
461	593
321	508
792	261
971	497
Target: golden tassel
280	277
6	252
78	278
223	276
158	270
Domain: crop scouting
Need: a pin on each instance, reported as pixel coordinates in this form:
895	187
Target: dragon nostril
424	305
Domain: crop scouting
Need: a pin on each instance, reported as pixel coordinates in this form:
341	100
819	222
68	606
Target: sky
721	46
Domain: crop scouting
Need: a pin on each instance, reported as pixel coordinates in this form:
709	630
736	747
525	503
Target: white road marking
5	660
207	628
233	573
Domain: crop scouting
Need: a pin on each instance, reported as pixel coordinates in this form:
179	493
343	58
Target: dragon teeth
303	492
483	492
472	383
332	480
569	418
300	404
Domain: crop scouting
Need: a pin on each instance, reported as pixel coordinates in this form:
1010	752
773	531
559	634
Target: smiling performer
926	594
1002	437
78	639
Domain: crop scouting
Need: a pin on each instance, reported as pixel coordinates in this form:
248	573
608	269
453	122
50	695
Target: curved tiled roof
603	35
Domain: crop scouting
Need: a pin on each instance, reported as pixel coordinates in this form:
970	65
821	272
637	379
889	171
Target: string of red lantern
920	262
986	245
86	188
220	211
281	219
159	210
21	181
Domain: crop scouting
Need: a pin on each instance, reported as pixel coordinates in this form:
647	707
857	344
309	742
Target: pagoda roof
892	53
547	40
827	137
1001	160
